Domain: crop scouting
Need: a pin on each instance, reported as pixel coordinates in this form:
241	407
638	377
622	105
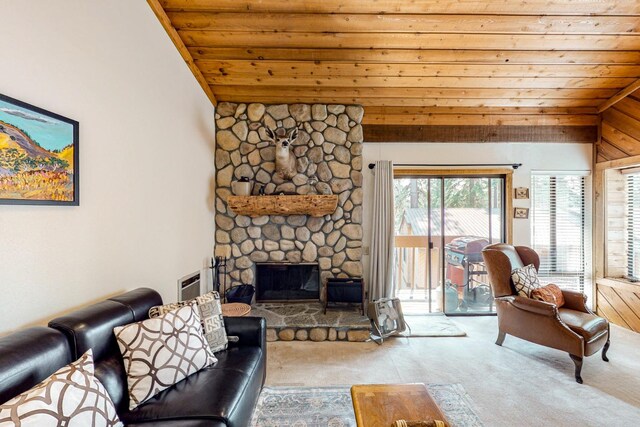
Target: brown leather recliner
572	328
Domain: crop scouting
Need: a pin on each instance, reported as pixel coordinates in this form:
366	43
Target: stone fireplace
328	160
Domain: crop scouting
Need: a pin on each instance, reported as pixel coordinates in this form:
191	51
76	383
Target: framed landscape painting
38	156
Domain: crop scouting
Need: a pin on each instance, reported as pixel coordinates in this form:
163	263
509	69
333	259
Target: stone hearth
307	321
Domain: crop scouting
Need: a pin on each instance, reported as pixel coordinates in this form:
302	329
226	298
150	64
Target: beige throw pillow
525	280
72	396
210	314
162	351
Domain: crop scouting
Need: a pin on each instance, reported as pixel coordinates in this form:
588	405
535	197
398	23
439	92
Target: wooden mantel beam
184	52
619	96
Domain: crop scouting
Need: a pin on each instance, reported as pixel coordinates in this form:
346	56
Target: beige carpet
435	325
519	384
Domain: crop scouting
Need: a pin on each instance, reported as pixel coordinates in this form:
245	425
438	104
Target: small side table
235	309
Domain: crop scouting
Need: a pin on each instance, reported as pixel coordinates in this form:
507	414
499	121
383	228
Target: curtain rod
513	165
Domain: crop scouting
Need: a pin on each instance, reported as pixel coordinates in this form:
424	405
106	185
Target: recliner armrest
251	331
531	305
575	301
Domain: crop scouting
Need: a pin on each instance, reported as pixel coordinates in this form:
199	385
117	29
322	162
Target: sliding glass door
442	225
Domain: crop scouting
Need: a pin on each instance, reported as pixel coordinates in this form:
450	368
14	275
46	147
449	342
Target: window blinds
633	226
558	229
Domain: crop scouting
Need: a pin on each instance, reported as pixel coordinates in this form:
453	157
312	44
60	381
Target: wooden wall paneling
622	305
615	221
599	231
606	310
398	133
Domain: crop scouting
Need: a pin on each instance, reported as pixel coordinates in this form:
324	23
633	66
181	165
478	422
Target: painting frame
74	143
521	193
521	213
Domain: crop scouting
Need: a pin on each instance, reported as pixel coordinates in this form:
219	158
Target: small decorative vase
242	187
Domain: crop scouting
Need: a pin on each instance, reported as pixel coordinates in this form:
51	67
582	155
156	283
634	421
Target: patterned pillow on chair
525	280
160	352
71	396
210	315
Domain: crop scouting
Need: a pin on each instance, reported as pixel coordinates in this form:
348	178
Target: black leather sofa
224	394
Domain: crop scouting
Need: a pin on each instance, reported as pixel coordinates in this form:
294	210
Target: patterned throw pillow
525	280
71	396
210	314
550	293
162	351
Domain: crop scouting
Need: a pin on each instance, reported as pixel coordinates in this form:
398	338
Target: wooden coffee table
379	405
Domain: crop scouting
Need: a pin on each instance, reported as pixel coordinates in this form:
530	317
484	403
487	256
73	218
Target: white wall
534	157
146	157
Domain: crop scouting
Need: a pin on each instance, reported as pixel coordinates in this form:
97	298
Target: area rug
432	326
332	407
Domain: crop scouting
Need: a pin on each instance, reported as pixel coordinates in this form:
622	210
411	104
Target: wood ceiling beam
482	119
619	96
322	68
382	23
484	110
373	40
425	56
179	44
507	7
553	134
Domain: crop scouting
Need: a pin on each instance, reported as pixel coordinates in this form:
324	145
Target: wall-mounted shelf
310	204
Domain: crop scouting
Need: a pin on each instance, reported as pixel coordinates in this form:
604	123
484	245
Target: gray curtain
382	233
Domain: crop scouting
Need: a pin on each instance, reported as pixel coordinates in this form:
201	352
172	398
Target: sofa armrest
531	305
251	331
575	301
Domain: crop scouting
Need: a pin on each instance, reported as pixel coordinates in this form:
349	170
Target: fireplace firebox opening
284	281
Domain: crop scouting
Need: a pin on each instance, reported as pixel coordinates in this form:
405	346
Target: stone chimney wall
328	155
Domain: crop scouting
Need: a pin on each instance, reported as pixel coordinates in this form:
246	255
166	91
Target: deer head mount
285	159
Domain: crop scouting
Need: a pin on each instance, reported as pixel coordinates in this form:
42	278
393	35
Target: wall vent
189	286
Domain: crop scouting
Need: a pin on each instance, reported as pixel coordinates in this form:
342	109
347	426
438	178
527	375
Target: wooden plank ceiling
620	130
421	63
